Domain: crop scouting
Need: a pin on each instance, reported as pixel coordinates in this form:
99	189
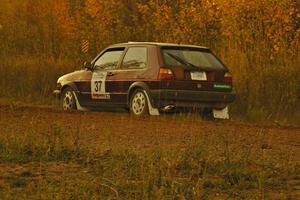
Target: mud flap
152	111
78	106
221	114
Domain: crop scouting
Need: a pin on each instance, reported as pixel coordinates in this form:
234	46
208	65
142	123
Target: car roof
157	44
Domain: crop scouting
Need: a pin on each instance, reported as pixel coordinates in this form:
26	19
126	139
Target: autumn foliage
257	39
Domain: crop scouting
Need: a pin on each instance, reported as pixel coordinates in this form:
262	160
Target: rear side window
135	58
110	59
196	57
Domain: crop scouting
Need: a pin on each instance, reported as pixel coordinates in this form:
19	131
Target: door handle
110	73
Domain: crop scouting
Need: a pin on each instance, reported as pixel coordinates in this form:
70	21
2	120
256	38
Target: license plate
200	76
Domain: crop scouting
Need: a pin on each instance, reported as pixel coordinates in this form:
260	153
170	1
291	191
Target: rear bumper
187	98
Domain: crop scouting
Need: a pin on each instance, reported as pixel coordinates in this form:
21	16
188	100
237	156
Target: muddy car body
149	77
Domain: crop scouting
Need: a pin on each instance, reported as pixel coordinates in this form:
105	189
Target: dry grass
49	154
266	89
31	78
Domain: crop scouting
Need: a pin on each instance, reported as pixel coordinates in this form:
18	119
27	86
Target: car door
134	67
104	68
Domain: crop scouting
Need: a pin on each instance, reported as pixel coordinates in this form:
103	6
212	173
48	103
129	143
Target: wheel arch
70	85
135	86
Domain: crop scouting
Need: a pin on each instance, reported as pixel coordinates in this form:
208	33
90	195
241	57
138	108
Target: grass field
46	153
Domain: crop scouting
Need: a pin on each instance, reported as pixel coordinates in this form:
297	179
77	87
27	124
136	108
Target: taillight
165	74
227	77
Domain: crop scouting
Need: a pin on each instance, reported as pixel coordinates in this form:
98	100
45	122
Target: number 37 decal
98	86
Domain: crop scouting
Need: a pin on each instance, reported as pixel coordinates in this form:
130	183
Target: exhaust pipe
168	108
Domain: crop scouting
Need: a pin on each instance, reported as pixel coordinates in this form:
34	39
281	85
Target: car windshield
191	57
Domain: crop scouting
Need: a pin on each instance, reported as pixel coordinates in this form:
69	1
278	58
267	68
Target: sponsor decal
98	86
222	86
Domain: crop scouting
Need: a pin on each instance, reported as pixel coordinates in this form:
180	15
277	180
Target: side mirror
87	65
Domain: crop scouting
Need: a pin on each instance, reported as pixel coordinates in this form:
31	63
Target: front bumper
188	98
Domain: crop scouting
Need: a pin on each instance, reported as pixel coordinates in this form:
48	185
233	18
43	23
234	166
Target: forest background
257	39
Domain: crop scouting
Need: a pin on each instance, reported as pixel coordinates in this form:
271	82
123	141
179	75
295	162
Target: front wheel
138	103
68	99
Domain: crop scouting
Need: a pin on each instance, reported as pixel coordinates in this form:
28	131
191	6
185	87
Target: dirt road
159	131
151	130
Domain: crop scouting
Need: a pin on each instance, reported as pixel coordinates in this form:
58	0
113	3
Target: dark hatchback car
148	78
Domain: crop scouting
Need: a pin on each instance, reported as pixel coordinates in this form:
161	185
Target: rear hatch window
192	66
191	57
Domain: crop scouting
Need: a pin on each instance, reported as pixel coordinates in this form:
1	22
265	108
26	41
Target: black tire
207	113
68	101
139	103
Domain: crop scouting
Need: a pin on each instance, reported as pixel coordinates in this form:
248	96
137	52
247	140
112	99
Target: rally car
148	78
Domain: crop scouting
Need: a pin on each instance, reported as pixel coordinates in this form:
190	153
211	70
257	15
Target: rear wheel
207	113
138	103
68	99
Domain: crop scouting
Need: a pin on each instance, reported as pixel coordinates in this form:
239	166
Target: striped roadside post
84	46
84	49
